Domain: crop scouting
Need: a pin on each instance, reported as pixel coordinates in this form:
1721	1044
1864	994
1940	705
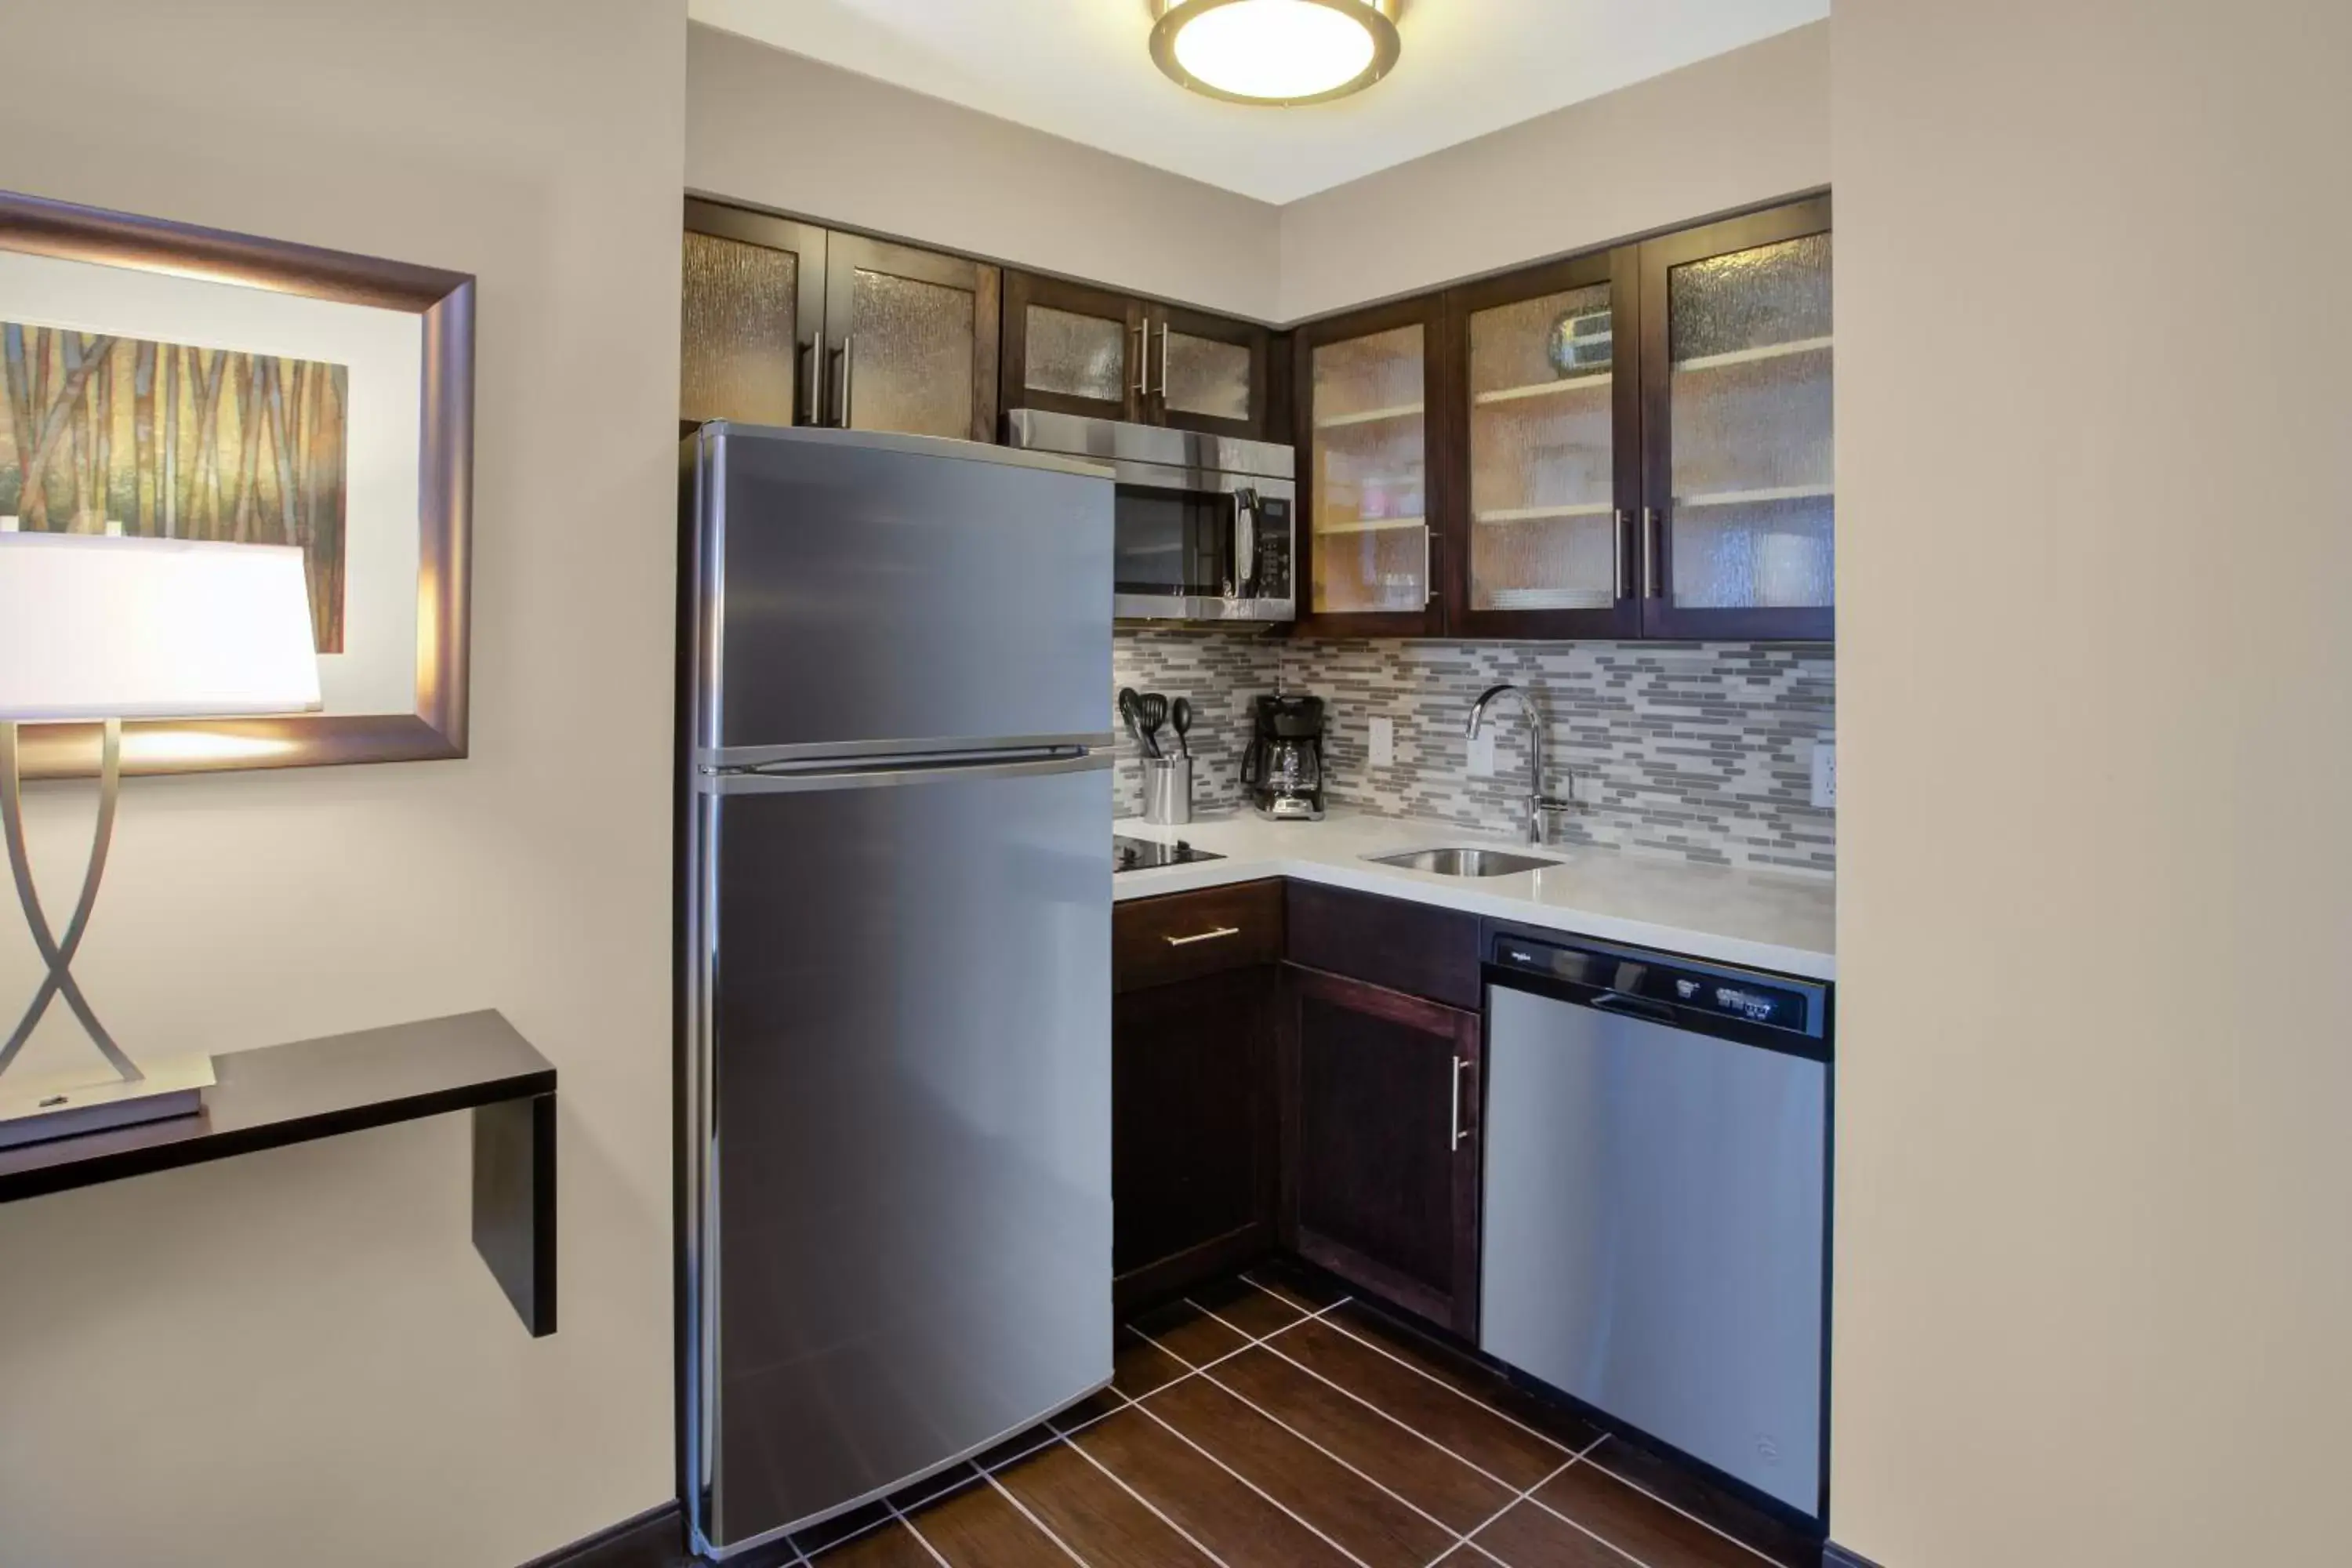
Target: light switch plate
1825	773
1584	788
1383	743
1482	755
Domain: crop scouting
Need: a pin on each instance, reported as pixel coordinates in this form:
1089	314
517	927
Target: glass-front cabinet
789	323
1631	443
1372	539
1555	454
1738	492
1073	348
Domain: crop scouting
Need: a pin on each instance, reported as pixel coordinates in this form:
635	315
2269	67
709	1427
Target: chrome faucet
1538	802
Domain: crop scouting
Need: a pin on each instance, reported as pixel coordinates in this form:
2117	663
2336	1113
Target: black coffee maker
1282	770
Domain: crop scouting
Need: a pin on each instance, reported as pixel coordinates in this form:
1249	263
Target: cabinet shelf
1507	395
1538	513
1370	416
1755	355
1754	498
1372	525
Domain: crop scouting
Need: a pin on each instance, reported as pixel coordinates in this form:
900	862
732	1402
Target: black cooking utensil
1154	708
1179	713
1131	708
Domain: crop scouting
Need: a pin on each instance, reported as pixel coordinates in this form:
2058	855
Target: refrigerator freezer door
908	1049
890	593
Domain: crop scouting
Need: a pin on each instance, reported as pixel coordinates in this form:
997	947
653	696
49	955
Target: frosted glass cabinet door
1208	373
1741	473
911	341
1072	349
753	297
1372	542
1554	470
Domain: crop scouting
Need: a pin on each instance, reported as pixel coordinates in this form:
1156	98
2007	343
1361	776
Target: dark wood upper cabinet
1380	1163
753	317
789	323
1551	396
1071	348
1631	443
1738	494
1379	476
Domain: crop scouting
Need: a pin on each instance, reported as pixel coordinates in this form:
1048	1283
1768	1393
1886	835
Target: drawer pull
1204	936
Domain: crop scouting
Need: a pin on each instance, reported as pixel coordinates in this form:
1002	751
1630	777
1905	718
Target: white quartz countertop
1755	918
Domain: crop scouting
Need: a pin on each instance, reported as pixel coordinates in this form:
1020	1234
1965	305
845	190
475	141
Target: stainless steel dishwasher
1656	1209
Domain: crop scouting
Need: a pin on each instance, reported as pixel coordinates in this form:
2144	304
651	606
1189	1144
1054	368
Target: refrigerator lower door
902	1092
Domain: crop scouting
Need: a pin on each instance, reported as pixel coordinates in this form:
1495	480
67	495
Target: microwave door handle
1245	543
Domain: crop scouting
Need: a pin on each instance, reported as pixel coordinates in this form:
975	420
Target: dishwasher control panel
1658	986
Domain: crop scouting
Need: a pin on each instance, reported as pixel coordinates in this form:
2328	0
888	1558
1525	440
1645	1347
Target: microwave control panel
1273	550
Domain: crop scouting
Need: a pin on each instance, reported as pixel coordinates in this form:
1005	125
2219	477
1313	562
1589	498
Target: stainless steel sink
1454	862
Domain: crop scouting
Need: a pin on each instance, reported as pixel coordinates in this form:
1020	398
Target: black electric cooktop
1142	854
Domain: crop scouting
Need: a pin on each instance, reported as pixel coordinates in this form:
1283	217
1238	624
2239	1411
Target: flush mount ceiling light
1275	51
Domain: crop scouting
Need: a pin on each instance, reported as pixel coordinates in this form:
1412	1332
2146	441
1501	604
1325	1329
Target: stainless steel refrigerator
894	1053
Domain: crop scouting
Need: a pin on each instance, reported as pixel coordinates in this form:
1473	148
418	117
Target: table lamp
104	629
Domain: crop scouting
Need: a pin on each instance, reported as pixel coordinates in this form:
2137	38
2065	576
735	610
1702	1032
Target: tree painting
117	435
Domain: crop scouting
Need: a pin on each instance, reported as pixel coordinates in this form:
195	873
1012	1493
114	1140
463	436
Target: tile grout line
1190	1371
1043	1528
1517	1497
1418	1372
1303	1522
1580	1457
1395	1421
1145	1501
1318	1447
1687	1513
920	1539
1584	1454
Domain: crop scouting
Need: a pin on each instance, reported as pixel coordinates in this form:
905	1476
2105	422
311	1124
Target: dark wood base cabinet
1379	1121
1192	1131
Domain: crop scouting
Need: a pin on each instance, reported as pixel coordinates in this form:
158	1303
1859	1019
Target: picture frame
434	724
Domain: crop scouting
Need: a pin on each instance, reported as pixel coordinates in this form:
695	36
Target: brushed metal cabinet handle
1164	350
1143	359
1203	936
1429	564
1454	1117
848	344
1649	587
1622	520
808	383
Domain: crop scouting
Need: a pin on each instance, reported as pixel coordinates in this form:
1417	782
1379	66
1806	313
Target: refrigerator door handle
887	775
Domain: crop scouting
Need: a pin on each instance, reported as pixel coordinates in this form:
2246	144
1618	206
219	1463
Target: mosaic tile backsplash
1703	750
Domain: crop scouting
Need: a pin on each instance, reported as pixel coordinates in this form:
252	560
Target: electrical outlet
1383	743
1825	773
1482	754
1584	789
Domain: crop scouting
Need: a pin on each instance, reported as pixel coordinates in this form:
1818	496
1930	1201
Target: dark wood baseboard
1153	1283
653	1539
1836	1556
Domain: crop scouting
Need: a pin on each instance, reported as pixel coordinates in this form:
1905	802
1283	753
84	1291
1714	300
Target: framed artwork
171	382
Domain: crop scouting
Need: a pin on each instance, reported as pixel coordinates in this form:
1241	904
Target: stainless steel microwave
1205	525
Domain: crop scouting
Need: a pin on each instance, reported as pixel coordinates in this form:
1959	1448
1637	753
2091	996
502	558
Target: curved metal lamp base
57	953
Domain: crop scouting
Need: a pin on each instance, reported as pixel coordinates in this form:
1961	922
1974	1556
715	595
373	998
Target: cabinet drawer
1390	943
1155	941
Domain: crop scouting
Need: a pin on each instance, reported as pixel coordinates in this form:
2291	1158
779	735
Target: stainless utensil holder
1168	791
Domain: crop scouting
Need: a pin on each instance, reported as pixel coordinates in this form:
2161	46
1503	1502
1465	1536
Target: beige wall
296	1357
1730	132
2093	1274
780	130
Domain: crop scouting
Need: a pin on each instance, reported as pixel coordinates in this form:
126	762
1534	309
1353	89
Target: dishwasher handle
1638	1006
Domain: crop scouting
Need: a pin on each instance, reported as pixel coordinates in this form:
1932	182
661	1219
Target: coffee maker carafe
1282	769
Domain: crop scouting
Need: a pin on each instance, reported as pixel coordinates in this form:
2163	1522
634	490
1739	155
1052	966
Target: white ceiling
1080	68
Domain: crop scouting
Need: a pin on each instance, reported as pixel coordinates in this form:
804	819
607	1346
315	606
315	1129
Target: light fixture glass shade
1275	51
95	627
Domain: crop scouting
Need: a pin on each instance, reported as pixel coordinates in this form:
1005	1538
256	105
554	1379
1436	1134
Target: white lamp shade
94	627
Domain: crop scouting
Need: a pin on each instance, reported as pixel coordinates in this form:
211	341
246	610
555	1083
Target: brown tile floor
1269	1423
